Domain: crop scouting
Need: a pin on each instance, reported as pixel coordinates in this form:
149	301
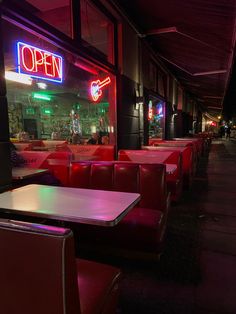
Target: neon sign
39	63
159	110
96	88
150	110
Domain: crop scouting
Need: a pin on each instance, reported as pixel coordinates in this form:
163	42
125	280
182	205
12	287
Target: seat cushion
175	188
98	287
142	229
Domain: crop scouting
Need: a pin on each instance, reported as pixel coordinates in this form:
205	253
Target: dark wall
183	124
169	122
5	163
128	123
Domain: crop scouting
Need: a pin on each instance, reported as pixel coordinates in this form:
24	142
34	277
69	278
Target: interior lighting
47	111
93	129
18	77
41	96
42	85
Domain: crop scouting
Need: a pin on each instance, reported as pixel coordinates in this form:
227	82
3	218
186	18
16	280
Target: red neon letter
38	57
56	62
28	58
49	69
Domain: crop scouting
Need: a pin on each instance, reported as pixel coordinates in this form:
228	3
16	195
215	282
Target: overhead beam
176	65
209	72
213	97
159	31
174	29
214	107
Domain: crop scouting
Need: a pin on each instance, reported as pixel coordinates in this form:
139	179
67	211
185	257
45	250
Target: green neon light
47	111
30	110
41	96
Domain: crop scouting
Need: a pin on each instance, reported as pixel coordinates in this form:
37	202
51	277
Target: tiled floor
197	272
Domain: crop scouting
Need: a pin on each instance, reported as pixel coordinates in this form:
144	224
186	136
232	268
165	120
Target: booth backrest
187	155
36	143
95	152
162	157
37	269
57	162
23	146
39	159
198	142
147	179
170	143
55	145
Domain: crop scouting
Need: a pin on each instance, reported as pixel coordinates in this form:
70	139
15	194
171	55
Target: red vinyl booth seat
198	142
143	228
169	143
57	162
40	274
91	152
187	158
174	180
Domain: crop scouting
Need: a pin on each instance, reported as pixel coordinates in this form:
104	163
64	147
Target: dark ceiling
195	39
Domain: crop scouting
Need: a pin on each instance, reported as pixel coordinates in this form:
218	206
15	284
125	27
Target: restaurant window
156	117
54	12
97	30
53	93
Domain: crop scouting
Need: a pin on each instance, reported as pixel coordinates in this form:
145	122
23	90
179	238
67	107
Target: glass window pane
39	104
156	117
97	30
55	12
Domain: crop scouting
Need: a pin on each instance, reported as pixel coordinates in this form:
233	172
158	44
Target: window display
156	113
53	93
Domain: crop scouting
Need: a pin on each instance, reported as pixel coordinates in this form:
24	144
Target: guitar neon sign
96	87
39	63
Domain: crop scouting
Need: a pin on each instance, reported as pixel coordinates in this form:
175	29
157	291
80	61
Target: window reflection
156	117
97	30
55	12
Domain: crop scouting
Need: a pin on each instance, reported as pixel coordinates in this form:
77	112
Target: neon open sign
39	63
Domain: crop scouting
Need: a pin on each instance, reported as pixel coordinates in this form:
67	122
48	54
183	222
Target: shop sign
97	86
39	63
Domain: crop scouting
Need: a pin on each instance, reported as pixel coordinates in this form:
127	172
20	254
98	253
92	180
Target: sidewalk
197	272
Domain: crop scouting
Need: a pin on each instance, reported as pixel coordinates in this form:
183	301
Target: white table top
96	207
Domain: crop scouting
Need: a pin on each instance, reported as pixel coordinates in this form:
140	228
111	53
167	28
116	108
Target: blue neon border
36	76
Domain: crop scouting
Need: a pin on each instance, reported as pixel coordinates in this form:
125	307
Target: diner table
87	206
21	173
